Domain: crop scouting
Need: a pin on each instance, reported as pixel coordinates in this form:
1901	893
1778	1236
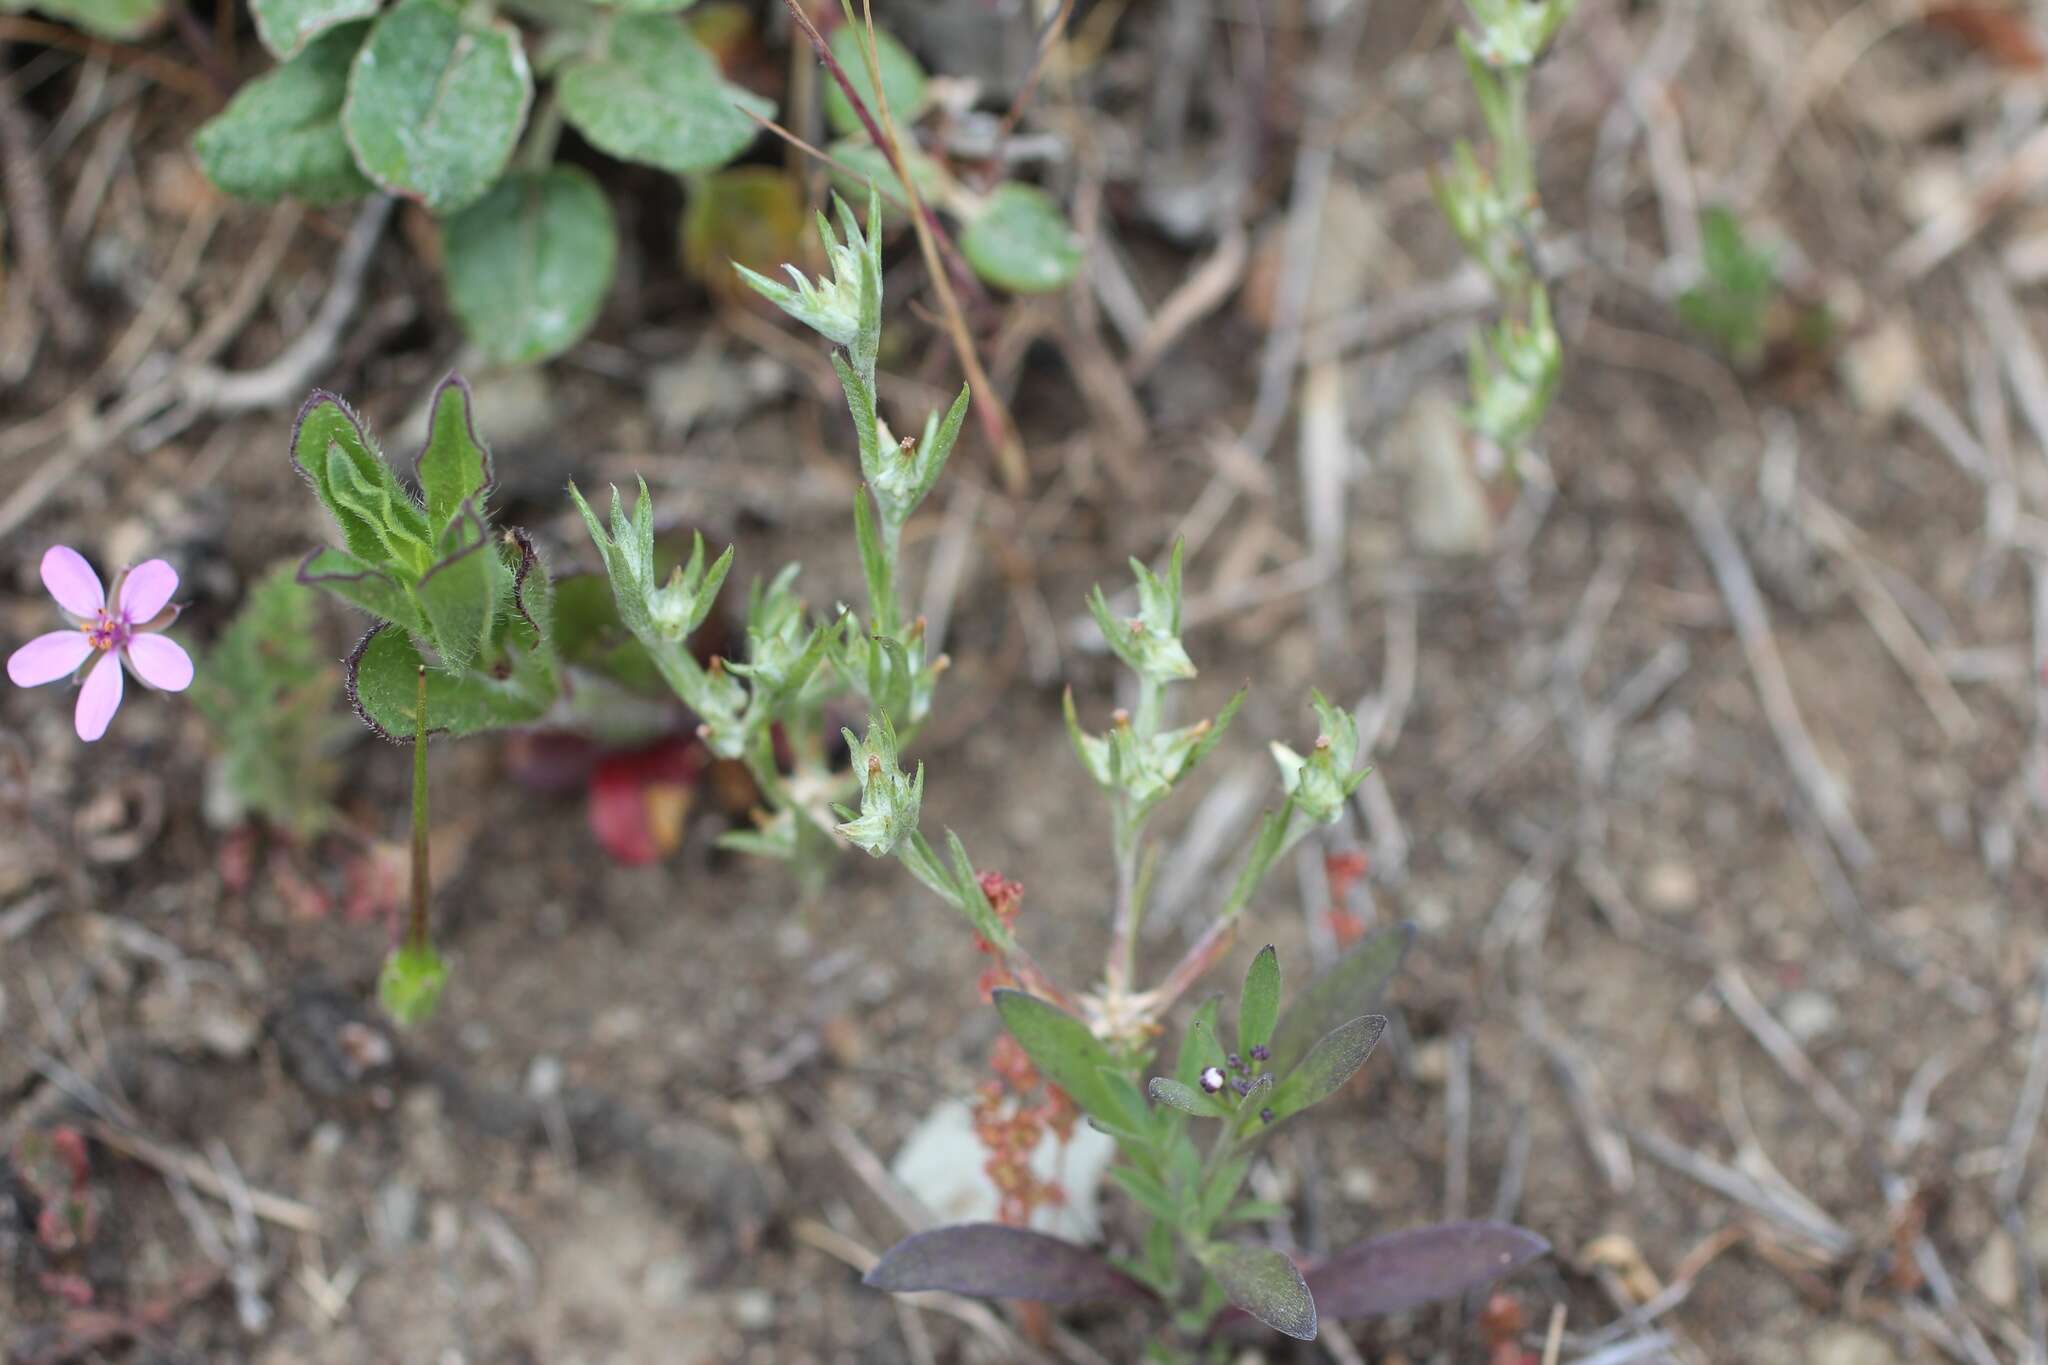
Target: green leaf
1329	1064
1187	1099
1021	242
1351	986
870	165
649	6
383	683
454	466
1200	1048
121	19
902	80
1222	1187
1061	1047
361	585
1265	1284
528	265
286	26
1260	1005
435	103
1146	1189
281	133
327	437
658	97
460	593
410	985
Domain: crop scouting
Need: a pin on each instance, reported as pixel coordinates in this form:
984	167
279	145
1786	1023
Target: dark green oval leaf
996	1261
1352	986
281	133
1265	1284
1328	1065
658	97
436	102
529	263
1021	242
902	81
286	26
1260	1004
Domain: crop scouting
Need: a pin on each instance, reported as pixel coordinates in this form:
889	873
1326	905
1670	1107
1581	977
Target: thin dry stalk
1784	1049
1822	789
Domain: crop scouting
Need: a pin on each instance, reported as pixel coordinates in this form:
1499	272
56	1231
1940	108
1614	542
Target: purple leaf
1421	1265
1406	1269
995	1261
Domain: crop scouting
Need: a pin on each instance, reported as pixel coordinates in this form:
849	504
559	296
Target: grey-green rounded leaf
383	686
529	263
902	80
658	97
286	26
108	18
281	134
1021	242
436	102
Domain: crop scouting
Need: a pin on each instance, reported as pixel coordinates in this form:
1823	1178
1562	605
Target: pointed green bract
362	585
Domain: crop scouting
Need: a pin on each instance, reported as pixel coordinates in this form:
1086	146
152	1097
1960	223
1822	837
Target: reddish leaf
995	1261
1404	1269
2004	35
638	800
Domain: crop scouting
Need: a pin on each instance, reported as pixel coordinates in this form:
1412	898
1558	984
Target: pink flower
125	634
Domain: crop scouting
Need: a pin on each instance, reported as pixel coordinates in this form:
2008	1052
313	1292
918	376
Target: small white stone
1996	1273
1842	1344
1881	369
1358	1185
1808	1015
753	1309
1670	887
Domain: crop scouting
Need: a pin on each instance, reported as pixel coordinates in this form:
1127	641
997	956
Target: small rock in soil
1847	1345
1808	1015
1670	887
1995	1271
1882	369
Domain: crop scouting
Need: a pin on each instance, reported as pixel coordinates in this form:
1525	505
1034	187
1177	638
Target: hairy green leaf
1351	986
1260	1005
454	466
1061	1047
383	682
1329	1064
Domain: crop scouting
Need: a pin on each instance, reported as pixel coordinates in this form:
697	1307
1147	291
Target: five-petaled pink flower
124	633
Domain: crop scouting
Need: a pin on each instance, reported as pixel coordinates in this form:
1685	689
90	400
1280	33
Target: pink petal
145	589
48	658
99	698
160	661
72	582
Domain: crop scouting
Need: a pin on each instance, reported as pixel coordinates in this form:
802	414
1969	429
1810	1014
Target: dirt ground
1713	780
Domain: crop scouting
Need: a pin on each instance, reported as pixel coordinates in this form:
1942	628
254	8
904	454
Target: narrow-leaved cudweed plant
1515	366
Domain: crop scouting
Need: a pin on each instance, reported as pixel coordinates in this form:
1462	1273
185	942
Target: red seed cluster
1006	898
1012	1114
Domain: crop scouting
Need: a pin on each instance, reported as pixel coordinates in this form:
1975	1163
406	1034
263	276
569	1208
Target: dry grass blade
1784	1049
1822	789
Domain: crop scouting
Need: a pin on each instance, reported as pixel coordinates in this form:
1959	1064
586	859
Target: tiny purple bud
1243	1087
1261	1053
1236	1062
1266	1115
1212	1079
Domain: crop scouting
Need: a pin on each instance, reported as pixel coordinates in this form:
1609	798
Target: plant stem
416	934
